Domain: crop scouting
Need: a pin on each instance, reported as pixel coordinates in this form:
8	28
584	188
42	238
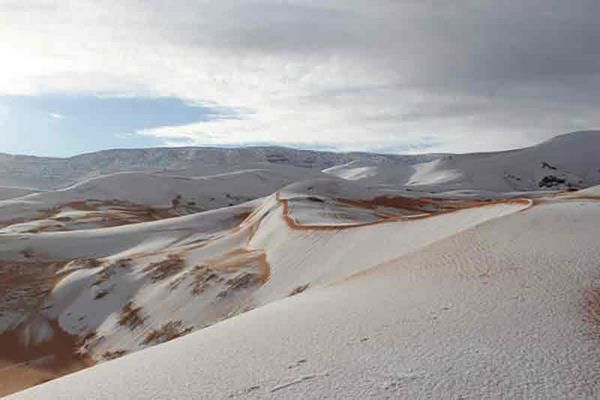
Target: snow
438	276
7	193
572	158
159	191
494	311
56	173
593	191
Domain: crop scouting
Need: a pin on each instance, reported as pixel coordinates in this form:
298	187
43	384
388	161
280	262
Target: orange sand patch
25	366
237	258
585	197
592	307
109	213
436	207
23	287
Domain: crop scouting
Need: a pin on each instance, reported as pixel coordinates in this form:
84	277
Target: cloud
352	74
56	116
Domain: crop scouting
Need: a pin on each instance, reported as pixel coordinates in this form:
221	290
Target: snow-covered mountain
568	160
440	276
56	173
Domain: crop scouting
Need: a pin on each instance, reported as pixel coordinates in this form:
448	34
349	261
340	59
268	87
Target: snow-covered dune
504	309
569	160
437	276
56	173
195	270
13	192
181	194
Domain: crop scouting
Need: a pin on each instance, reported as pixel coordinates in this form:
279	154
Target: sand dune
449	278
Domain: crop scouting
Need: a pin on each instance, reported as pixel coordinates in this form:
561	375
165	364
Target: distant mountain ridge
52	173
565	161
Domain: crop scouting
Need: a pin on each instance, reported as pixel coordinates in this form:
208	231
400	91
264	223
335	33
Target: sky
376	75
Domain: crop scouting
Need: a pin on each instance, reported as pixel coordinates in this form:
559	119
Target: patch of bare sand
421	207
108	213
25	366
23	287
237	258
592	307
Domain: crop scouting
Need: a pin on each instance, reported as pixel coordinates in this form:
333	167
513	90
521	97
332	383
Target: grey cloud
530	66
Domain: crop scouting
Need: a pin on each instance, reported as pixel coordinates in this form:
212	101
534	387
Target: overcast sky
380	75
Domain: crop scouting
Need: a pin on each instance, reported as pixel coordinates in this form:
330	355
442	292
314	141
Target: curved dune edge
398	201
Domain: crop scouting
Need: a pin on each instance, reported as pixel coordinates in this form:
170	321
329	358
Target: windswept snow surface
499	310
435	276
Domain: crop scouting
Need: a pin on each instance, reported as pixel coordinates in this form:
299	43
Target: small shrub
169	331
165	268
27	252
299	289
105	273
203	277
111	355
101	294
242	280
176	201
131	316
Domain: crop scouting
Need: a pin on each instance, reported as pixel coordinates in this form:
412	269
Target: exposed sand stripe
456	205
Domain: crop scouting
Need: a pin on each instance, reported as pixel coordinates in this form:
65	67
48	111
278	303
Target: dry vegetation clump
299	289
25	285
174	283
242	280
107	272
165	268
169	331
84	341
101	294
90	262
131	316
111	355
203	277
27	252
47	213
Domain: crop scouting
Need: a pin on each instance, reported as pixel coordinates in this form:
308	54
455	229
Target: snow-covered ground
141	193
9	192
502	309
569	160
444	280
